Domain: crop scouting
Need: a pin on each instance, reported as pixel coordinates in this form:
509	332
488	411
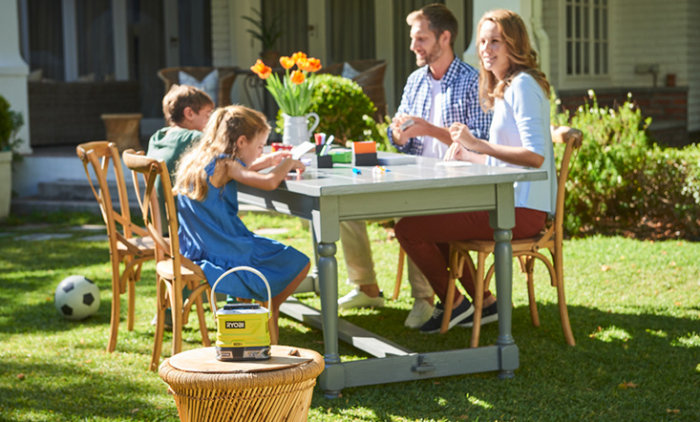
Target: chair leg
134	276
176	306
131	294
399	273
564	312
529	272
200	315
115	315
161	304
456	264
478	297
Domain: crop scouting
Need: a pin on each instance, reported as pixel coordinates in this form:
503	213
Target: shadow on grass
633	359
84	393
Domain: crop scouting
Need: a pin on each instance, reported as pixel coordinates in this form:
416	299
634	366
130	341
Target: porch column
13	69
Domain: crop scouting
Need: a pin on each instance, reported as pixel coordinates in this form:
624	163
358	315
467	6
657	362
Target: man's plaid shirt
460	89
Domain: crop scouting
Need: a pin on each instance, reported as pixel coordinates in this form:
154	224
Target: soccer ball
77	297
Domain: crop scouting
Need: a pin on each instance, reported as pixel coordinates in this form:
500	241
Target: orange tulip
303	64
260	69
287	62
297	77
298	56
311	65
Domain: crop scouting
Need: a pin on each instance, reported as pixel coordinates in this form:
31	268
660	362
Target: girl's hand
269	160
297	165
277	157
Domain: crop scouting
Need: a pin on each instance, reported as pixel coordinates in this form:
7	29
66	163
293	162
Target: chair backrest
573	139
227	76
150	168
101	156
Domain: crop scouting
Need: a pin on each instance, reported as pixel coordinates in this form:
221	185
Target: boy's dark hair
439	18
180	97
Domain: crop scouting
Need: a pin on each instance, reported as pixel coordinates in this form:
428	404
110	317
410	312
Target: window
586	37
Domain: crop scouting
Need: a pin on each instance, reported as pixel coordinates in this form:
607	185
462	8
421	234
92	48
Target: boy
187	110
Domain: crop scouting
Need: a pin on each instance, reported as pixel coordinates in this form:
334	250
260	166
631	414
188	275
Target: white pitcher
296	128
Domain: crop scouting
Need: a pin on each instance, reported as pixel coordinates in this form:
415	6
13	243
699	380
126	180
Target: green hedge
621	182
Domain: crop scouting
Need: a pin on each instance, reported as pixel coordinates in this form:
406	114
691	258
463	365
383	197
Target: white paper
302	149
454	163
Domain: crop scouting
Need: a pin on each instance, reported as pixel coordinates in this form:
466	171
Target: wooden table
328	196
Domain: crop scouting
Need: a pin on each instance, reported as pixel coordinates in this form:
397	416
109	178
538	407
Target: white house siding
653	32
550	23
220	45
648	32
640	32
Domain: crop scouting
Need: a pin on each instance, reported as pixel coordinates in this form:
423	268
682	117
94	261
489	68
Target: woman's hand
459	132
456	152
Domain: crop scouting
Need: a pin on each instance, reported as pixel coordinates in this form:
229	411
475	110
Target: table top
425	172
203	360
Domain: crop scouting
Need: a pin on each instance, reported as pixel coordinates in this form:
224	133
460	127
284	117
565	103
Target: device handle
246	268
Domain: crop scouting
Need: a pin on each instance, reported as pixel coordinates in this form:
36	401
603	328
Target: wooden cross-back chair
173	271
129	244
526	250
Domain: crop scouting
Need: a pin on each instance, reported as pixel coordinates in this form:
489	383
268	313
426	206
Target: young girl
211	233
511	84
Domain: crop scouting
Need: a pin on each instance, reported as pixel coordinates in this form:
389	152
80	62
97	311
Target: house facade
646	47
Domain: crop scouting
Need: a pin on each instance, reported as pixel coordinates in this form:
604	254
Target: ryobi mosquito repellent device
242	332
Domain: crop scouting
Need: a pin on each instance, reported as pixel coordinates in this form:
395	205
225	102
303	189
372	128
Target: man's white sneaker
359	299
420	314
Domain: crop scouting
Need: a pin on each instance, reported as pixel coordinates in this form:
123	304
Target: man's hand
402	129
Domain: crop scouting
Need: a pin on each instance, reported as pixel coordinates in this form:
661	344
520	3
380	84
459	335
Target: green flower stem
293	99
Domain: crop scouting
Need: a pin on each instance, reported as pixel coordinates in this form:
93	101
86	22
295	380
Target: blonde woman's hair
224	128
522	57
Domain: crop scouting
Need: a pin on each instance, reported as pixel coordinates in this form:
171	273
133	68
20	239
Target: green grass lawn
634	308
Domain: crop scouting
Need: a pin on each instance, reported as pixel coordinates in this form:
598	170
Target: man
442	91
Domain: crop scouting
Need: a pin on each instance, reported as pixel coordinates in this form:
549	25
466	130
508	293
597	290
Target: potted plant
10	123
292	93
267	35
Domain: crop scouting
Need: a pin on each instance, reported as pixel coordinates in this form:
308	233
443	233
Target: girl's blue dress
214	237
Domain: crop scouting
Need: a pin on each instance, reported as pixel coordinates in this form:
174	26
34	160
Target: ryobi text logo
235	324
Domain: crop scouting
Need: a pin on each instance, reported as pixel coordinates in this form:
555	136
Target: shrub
10	124
620	180
343	109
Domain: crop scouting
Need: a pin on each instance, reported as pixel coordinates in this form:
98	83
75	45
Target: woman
510	84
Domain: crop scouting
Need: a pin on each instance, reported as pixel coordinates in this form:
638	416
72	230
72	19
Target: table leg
503	260
332	378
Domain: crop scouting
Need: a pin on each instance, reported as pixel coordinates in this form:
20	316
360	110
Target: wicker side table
206	389
123	130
